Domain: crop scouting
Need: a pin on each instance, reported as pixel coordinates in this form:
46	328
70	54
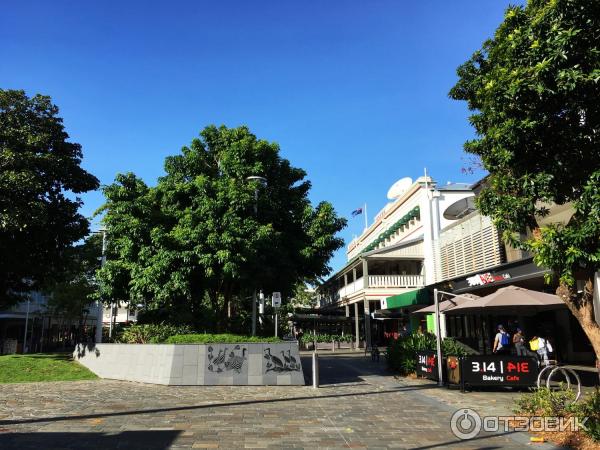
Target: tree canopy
534	91
40	178
206	235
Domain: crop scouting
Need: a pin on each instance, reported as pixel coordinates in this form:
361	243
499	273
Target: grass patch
42	367
218	339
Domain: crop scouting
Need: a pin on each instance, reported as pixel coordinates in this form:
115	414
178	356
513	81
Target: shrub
545	402
218	338
590	408
326	338
345	338
150	333
452	347
401	354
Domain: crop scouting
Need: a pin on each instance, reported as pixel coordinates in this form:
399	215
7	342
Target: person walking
519	341
543	348
501	341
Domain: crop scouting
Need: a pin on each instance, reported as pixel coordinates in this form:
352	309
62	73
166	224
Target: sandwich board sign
276	299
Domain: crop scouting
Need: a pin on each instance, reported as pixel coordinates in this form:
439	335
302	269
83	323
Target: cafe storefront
477	330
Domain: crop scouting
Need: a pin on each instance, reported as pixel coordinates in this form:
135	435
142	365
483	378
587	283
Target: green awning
416	297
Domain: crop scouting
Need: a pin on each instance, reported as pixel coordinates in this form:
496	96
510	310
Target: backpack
534	344
505	339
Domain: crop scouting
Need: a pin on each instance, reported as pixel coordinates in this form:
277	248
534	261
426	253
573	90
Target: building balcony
395	281
388	284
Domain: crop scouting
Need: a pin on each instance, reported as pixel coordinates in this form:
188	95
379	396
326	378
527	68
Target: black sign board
499	370
501	275
427	365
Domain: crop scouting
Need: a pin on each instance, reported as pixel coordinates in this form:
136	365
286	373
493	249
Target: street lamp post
25	349
260	181
438	330
100	310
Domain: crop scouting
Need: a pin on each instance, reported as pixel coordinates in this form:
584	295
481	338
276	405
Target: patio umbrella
511	298
448	304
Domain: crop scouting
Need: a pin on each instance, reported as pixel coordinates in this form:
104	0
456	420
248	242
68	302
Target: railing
391	281
382	281
351	287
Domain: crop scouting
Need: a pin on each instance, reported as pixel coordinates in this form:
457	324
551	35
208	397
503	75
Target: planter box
328	345
325	345
195	364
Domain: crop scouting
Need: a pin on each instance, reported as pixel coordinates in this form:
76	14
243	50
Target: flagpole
366	219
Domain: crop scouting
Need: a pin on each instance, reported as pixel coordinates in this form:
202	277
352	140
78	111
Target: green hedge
150	333
218	339
307	338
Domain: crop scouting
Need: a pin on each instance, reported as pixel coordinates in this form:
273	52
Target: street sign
276	299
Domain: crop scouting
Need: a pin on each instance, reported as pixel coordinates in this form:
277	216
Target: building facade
433	237
393	260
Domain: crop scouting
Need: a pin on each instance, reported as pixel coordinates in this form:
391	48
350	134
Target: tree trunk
213	296
582	308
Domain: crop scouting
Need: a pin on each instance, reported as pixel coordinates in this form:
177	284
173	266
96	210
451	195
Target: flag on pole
357	212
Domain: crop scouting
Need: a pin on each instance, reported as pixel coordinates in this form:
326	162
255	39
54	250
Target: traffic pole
315	370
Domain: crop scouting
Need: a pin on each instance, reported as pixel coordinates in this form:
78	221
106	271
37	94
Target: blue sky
355	92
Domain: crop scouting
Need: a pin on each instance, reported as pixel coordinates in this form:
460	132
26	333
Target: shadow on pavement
151	440
343	368
466	442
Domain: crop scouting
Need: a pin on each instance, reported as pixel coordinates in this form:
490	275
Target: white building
397	255
30	326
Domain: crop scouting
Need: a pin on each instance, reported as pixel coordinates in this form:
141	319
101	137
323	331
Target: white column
356	326
367	322
436	227
426	220
99	319
443	325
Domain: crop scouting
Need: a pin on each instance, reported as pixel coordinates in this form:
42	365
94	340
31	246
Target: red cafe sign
486	278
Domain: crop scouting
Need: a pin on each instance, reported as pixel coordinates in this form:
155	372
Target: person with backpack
501	341
542	347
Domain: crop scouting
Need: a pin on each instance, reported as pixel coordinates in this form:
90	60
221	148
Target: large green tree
40	178
206	235
534	90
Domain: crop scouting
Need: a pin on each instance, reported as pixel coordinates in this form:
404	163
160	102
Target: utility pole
26	323
263	181
100	305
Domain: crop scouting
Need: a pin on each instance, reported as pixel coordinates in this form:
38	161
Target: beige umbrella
510	298
448	304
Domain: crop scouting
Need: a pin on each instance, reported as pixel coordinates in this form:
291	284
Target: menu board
427	365
499	370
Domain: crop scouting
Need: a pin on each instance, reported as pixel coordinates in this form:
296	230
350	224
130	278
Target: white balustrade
390	281
382	281
351	287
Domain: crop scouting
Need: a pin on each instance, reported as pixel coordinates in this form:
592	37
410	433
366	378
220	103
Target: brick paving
358	406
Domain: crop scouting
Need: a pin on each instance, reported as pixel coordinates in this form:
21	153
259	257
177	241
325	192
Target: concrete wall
195	364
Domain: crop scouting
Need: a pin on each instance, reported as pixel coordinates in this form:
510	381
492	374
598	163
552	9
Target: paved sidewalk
358	406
